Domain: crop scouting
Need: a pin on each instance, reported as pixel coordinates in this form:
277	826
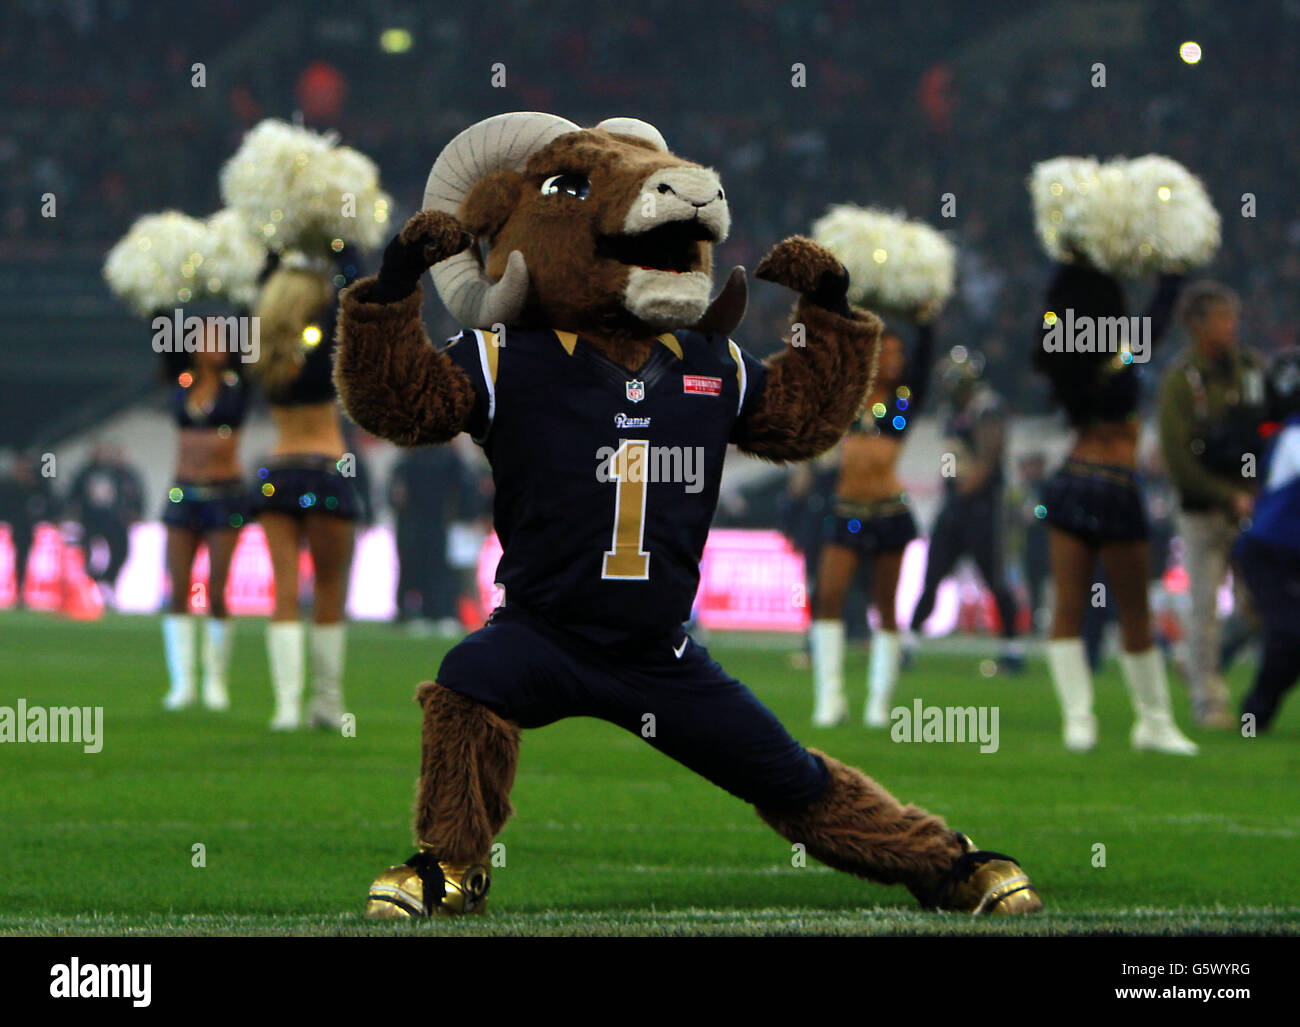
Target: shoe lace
961	872
432	879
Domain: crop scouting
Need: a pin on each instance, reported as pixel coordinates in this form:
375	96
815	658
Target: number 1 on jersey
627	559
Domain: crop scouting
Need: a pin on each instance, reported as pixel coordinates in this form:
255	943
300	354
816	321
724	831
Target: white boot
178	645
1154	728
882	675
326	708
284	642
827	641
1073	683
216	659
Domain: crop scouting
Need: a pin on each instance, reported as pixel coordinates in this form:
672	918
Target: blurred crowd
895	111
429	494
101	502
806	105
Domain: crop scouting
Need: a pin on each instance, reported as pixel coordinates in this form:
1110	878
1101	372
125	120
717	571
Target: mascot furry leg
468	760
468	756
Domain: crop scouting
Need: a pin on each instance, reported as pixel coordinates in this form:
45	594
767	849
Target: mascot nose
665	188
696	186
683	193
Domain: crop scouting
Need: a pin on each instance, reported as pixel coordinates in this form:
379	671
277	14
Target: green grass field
609	838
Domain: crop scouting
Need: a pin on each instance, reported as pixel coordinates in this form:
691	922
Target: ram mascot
592	361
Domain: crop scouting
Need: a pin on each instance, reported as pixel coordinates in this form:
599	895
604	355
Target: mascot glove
430	237
810	269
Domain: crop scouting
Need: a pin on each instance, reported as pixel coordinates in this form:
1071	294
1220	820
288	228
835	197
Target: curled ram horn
299	189
637	129
158	263
503	142
893	264
1123	217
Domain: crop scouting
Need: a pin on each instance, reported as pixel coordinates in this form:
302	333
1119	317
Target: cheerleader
870	520
301	494
1095	510
207	505
1099	221
899	265
165	262
305	492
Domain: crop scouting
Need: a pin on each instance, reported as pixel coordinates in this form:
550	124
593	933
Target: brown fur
393	383
815	390
390	379
571	288
443	236
858	827
468	760
490	203
797	263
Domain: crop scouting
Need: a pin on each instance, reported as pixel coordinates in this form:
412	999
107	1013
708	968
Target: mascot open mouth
672	247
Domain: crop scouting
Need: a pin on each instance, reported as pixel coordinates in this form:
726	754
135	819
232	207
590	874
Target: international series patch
701	385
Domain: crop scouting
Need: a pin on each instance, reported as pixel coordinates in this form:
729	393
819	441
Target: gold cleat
985	883
422	887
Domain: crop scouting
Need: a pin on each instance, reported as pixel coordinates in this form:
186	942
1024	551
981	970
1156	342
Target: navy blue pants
685	706
1272	574
967	527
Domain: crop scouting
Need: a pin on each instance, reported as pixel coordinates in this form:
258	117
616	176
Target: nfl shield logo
636	390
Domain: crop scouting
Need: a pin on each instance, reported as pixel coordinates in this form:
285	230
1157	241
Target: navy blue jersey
606	479
1099	389
895	414
228	409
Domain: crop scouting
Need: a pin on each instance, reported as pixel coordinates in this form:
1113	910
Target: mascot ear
490	203
637	129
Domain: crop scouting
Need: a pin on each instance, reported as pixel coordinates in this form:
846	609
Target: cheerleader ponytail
291	303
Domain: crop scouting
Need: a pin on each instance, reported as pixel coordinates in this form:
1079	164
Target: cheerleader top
227	410
895	414
1099	388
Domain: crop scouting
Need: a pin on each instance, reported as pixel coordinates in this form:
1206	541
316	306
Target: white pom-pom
299	190
893	264
157	265
1061	190
233	258
1174	224
1124	217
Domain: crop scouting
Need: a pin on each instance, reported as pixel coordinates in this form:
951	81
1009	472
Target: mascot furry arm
600	271
390	378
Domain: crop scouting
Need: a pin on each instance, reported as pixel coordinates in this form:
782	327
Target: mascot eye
574	185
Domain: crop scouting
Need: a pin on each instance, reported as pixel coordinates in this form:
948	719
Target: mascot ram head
599	229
